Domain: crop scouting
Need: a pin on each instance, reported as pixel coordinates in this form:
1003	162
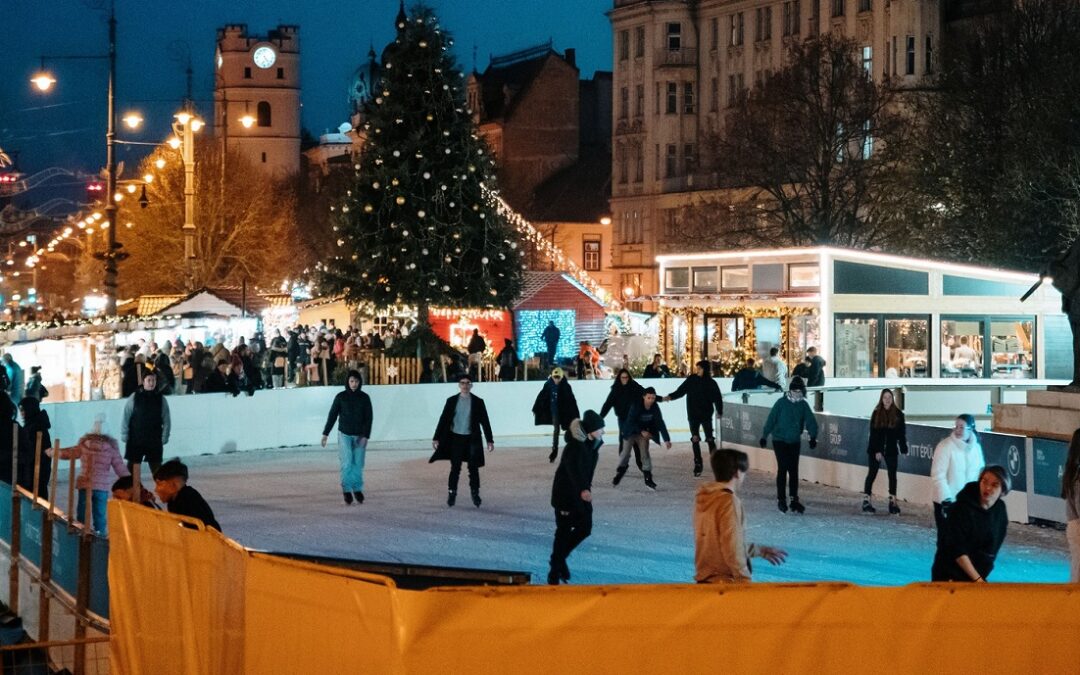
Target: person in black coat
749	377
129	372
644	423
625	391
571	491
657	368
508	361
888	440
35	421
702	398
555	405
352	411
147	424
975	527
816	377
551	337
9	428
463	426
170	483
222	380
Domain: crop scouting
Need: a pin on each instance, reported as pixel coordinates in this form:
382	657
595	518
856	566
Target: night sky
66	127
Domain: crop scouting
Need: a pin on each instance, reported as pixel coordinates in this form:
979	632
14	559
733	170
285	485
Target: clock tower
257	95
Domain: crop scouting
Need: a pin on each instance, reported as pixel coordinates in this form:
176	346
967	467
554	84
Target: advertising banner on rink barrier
191	601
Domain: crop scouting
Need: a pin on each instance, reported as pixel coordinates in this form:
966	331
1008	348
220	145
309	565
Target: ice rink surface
289	500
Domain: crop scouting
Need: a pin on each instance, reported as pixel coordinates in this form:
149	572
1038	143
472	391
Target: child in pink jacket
100	455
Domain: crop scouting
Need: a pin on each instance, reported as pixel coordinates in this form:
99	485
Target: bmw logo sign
1014	460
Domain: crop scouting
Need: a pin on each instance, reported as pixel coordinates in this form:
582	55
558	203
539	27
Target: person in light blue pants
352	411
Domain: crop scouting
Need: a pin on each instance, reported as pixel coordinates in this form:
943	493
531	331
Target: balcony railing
686	56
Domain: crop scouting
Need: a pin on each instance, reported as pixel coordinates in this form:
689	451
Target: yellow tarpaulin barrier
190	601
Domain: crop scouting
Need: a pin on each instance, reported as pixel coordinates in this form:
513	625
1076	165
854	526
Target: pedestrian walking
571	491
1070	491
789	417
888	440
555	406
703	398
551	337
958	458
170	483
351	409
644	423
721	552
146	426
975	527
99	457
463	426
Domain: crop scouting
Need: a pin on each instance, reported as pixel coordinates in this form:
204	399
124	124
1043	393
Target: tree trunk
423	329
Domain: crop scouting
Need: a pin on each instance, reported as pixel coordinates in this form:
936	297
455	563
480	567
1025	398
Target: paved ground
288	500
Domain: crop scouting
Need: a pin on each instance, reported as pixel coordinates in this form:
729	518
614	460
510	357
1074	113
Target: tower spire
401	16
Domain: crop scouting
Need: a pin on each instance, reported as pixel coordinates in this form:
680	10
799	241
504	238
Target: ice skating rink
289	500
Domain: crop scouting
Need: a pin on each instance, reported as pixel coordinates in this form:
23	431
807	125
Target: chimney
571	57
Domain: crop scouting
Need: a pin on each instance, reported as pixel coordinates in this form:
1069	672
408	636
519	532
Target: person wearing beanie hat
351	409
702	396
571	491
556	406
787	419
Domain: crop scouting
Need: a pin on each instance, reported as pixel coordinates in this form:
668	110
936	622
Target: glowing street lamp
173	142
248	121
159	163
43	80
132	120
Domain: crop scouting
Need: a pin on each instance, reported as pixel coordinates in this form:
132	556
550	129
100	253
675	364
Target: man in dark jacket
222	380
644	423
352	410
163	367
657	368
35	421
816	378
974	530
508	361
551	337
571	491
556	406
749	377
170	483
458	438
702	397
145	429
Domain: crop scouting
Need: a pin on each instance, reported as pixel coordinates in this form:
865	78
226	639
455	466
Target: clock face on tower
264	57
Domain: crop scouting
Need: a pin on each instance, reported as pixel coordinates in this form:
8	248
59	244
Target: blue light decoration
530	325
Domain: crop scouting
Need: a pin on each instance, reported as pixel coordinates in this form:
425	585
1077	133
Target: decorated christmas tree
415	228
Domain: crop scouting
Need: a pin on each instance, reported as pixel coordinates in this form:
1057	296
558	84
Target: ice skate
359	497
894	509
619	473
476	498
451	497
797	506
782	505
697	467
867	507
348	498
649	481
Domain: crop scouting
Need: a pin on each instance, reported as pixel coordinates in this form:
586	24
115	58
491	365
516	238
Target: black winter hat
797	384
591	421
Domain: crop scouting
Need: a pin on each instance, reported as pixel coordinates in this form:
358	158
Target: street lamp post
184	128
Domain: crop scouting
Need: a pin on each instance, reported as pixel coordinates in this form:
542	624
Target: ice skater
352	411
556	406
974	530
721	552
571	491
458	438
146	425
888	440
958	458
625	391
790	415
702	397
644	423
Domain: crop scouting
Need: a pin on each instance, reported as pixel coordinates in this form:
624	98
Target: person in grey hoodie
787	419
352	411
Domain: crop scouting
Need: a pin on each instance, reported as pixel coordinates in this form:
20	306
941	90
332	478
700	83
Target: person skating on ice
958	459
625	391
702	399
555	406
571	491
974	529
888	440
790	415
351	410
644	423
463	426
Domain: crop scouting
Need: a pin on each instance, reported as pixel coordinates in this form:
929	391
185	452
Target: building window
907	342
672	98
247	72
591	254
736	29
264	158
929	54
624	45
838	8
895	63
688	98
866	5
624	103
910	69
689	158
671	162
734	278
674	36
639	100
623	165
763	25
868	61
262	114
867	141
639	42
671	220
677	279
705	280
714	33
791	17
281	73
714	95
856	347
639	165
657	98
803	277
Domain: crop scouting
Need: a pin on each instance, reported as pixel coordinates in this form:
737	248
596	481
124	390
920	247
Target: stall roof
224	301
534	282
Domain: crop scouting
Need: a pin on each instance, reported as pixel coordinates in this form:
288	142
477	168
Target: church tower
257	95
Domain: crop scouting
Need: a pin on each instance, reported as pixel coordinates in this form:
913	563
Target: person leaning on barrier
99	456
121	490
170	483
975	529
35	421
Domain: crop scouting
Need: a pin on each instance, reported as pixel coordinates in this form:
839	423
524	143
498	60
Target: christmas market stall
868	314
557	297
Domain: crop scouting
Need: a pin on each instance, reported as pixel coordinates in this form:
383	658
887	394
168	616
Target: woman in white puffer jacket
958	459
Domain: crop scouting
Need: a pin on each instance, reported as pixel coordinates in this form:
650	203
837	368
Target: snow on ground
288	500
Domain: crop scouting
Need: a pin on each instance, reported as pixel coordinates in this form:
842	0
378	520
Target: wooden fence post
16	529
